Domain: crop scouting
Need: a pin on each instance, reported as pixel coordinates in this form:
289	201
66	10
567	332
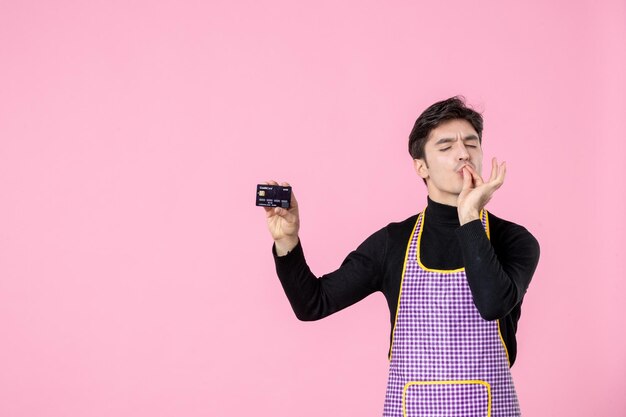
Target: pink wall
135	272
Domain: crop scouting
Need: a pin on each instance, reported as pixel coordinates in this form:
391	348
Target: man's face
449	147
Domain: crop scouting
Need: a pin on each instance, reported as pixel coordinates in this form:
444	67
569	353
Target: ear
421	168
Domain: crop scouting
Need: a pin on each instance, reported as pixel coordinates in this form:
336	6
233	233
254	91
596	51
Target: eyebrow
447	140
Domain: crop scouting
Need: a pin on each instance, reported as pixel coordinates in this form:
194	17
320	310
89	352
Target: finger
293	203
467	179
272	182
478	180
269	212
285	214
494	169
502	173
499	180
267	209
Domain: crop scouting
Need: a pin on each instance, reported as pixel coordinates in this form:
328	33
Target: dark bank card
273	196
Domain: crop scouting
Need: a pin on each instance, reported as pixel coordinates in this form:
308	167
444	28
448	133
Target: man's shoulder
389	242
403	224
504	225
400	230
506	231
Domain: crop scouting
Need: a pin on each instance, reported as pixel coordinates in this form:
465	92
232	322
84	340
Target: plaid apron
446	360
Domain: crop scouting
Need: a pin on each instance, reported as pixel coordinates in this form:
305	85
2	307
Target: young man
454	277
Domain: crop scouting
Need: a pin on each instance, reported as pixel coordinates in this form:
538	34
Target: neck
441	198
442	213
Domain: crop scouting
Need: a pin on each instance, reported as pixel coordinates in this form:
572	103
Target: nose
463	154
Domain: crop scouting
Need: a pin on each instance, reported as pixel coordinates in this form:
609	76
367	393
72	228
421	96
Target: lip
460	169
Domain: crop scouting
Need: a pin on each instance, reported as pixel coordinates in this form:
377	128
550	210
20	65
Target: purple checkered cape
446	360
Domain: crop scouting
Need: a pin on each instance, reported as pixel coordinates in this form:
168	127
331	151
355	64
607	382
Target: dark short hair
438	113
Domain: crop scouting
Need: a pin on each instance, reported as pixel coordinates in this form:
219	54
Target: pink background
135	271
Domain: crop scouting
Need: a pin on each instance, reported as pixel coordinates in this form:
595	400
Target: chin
456	188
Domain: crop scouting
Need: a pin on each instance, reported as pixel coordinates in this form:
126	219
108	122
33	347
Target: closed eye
445	149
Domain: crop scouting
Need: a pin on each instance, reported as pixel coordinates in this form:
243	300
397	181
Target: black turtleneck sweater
498	269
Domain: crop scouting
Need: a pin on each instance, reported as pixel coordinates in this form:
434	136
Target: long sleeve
509	259
498	280
313	298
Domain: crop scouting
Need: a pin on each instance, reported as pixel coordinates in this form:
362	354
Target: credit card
273	196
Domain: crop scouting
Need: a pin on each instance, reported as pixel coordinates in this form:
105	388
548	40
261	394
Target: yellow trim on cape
508	359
